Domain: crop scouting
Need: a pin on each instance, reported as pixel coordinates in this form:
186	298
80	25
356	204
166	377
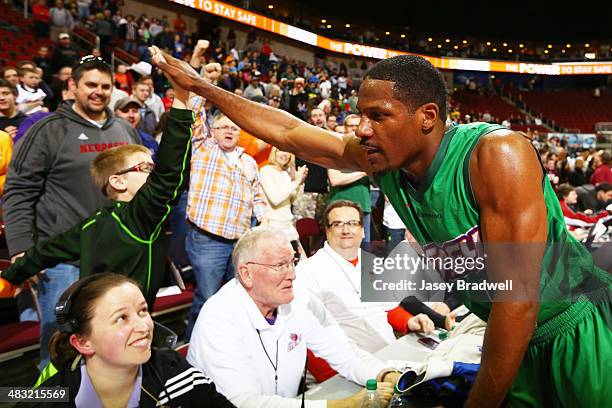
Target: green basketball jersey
443	216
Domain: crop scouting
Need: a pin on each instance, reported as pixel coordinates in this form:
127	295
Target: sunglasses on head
91	58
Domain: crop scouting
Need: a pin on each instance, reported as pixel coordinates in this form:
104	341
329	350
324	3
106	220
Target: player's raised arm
513	227
273	126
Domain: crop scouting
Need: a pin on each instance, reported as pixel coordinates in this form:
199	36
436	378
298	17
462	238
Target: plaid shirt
222	195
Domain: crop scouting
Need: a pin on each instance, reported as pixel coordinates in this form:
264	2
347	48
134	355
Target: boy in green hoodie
126	235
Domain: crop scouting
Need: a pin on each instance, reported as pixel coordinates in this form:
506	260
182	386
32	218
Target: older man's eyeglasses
143	167
340	225
282	267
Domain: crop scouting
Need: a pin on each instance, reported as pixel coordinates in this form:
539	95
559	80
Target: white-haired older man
251	336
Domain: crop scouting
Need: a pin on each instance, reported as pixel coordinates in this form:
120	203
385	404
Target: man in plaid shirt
224	194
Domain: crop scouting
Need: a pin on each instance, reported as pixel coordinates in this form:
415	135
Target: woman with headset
102	352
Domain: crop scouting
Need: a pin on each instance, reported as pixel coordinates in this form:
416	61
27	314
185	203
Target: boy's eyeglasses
144	167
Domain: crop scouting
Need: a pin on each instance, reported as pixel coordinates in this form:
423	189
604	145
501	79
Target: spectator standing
43	62
142	92
325	87
42	19
603	172
153	102
178	48
83	8
312	203
297	99
179	26
281	189
48	187
352	186
129	32
103	27
65	54
254	88
224	194
61	19
167	99
59	85
123	79
155	28
128	109
165	39
551	170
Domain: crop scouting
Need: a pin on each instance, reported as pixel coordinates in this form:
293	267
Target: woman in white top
280	190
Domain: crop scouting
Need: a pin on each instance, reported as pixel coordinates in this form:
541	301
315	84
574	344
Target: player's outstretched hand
181	72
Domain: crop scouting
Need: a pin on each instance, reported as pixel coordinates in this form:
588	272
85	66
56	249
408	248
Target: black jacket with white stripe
166	372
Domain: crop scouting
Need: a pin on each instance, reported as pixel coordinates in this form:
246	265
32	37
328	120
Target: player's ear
429	114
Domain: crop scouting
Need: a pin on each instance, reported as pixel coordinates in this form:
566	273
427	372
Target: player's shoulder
504	144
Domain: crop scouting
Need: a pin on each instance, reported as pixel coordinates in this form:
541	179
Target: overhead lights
587	45
328	26
589	55
447	40
545	51
387	33
324	21
505	44
488	42
494	49
568	45
456	47
439	45
270	6
563	51
464	41
430	39
347	25
549	45
510	51
521	46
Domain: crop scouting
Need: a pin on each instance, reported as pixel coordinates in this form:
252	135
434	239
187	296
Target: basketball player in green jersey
545	345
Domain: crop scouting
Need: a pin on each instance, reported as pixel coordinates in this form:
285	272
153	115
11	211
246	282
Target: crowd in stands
65	113
405	38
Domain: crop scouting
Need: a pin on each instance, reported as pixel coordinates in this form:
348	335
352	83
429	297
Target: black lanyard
275	366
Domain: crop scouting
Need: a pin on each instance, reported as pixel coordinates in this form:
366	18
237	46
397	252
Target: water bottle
399	400
371	399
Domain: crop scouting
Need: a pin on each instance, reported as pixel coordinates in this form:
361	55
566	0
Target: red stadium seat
169	304
307	227
18	338
571	109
